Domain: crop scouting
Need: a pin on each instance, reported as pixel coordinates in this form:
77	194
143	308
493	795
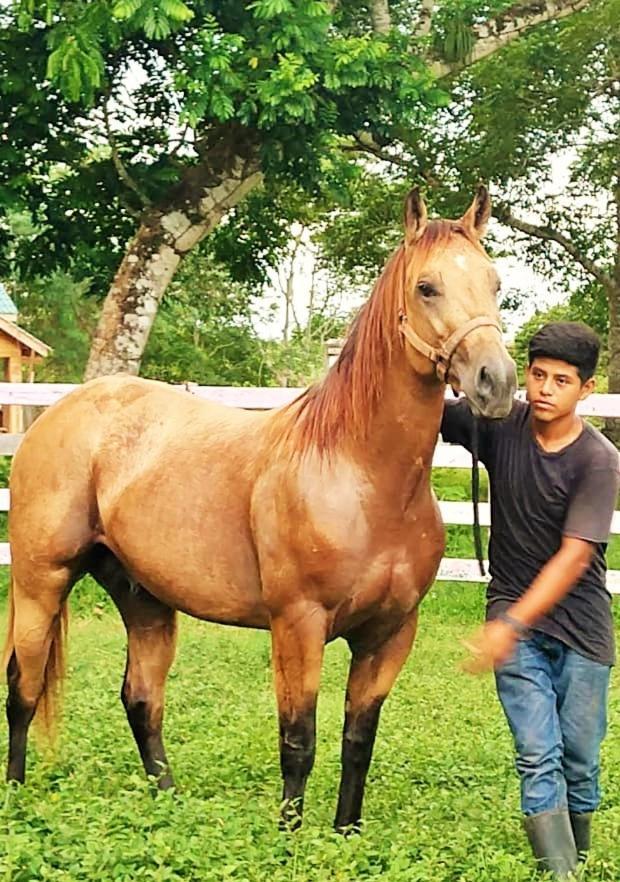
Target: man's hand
490	647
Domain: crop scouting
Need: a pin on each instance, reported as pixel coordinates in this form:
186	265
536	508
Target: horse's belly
205	567
215	587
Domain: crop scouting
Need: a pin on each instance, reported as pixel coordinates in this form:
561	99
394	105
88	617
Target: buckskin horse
316	520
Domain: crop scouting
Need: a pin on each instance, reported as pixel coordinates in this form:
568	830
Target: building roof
7	307
28	341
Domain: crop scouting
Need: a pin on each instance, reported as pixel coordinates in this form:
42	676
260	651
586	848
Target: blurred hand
490	647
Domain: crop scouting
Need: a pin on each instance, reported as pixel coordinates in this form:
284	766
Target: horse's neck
398	449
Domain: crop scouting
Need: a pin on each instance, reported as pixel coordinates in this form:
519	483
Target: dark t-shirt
536	499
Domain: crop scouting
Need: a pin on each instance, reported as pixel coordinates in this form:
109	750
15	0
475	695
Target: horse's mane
343	403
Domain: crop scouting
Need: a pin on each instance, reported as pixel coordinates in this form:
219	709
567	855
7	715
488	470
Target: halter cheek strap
442	355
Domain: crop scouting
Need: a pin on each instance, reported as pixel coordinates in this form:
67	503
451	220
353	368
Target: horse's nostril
484	381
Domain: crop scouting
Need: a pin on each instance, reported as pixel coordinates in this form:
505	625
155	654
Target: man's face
554	387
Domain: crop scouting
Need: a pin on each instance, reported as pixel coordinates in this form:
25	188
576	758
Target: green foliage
158	18
457	41
356	241
55	309
301	360
296	76
203	333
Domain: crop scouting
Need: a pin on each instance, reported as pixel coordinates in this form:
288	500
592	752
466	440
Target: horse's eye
426	290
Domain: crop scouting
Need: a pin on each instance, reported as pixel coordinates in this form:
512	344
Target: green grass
442	796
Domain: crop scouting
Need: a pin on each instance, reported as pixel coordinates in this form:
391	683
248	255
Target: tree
556	93
231	94
568	102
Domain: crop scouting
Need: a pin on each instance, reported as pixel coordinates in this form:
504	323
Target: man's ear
587	388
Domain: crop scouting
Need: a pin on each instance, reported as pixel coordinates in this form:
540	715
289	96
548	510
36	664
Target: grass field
442	796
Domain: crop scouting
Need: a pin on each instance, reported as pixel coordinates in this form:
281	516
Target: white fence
264	398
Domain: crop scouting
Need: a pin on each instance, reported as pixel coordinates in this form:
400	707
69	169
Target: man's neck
558	434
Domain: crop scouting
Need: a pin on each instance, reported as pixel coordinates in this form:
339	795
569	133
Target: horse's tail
55	665
54	676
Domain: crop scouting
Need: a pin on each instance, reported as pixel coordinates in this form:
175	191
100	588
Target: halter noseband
442	356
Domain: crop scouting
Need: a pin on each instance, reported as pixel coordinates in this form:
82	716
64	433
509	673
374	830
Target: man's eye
426	290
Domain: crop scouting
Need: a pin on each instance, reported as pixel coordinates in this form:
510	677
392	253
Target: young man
549	636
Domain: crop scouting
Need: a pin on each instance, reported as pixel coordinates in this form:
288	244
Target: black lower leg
149	741
297	747
358	739
19	716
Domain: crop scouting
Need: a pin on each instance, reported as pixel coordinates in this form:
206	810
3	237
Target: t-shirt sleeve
457	422
592	507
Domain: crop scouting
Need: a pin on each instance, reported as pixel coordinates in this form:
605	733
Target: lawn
442	800
442	796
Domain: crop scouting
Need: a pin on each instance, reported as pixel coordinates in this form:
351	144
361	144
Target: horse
315	521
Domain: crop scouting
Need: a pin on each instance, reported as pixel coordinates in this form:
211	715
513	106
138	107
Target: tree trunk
380	16
612	426
208	190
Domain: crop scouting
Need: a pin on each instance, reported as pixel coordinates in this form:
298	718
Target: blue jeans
555	701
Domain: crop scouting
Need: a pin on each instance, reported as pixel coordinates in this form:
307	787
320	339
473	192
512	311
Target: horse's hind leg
151	640
373	672
34	654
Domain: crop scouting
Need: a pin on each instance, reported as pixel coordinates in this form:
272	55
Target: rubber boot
582	831
553	843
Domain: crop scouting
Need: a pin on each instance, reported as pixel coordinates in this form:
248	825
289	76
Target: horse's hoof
290	818
348	830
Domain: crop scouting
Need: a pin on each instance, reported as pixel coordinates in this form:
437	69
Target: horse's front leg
298	640
372	674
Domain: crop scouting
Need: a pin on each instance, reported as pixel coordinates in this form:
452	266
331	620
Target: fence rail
264	398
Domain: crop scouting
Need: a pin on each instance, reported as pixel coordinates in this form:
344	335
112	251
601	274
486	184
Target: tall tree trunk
612	426
380	16
208	190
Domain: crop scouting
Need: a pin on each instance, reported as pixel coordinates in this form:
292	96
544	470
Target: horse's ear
476	218
416	218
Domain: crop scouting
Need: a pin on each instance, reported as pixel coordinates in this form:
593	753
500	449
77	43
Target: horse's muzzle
490	384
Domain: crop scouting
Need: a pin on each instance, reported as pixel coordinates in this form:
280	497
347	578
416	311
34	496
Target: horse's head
451	318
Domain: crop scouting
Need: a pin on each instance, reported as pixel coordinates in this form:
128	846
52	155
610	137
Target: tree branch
121	170
548	234
364	143
508	26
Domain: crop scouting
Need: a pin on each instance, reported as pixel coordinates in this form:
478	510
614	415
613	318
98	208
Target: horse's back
159	476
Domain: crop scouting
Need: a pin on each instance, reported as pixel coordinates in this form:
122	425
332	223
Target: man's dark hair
572	342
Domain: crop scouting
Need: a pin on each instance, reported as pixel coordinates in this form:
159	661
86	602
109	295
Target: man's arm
588	522
495	643
457	422
554	581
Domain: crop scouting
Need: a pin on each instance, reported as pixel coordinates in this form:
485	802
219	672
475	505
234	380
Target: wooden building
19	352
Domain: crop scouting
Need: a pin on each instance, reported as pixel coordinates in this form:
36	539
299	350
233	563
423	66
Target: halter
442	356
